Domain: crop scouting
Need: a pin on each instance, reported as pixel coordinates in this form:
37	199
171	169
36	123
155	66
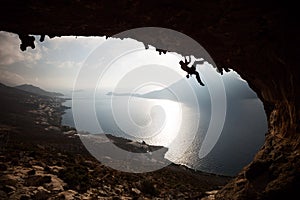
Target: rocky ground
43	173
40	159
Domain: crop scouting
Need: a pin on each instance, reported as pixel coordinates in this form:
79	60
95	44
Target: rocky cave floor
42	173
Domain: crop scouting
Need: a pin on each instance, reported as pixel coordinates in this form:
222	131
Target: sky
53	63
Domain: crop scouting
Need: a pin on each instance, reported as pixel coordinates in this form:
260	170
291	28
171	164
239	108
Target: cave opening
148	80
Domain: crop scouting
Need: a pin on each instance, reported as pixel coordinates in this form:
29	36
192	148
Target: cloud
10	78
10	52
69	65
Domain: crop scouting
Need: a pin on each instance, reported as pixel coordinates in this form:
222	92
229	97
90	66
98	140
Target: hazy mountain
36	90
235	88
180	91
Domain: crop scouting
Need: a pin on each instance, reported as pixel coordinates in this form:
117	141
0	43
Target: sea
178	126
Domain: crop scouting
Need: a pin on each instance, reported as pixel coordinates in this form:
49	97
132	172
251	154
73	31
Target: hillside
36	90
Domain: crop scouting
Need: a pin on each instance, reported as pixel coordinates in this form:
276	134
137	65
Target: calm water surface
173	125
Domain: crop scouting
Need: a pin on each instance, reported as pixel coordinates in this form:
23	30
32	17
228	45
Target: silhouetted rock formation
160	51
258	39
26	41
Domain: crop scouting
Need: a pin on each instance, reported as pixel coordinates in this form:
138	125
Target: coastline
45	160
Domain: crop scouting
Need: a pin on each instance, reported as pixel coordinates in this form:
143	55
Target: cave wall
259	40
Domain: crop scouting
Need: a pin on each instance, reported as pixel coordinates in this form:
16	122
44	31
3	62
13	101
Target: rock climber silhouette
160	51
191	70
